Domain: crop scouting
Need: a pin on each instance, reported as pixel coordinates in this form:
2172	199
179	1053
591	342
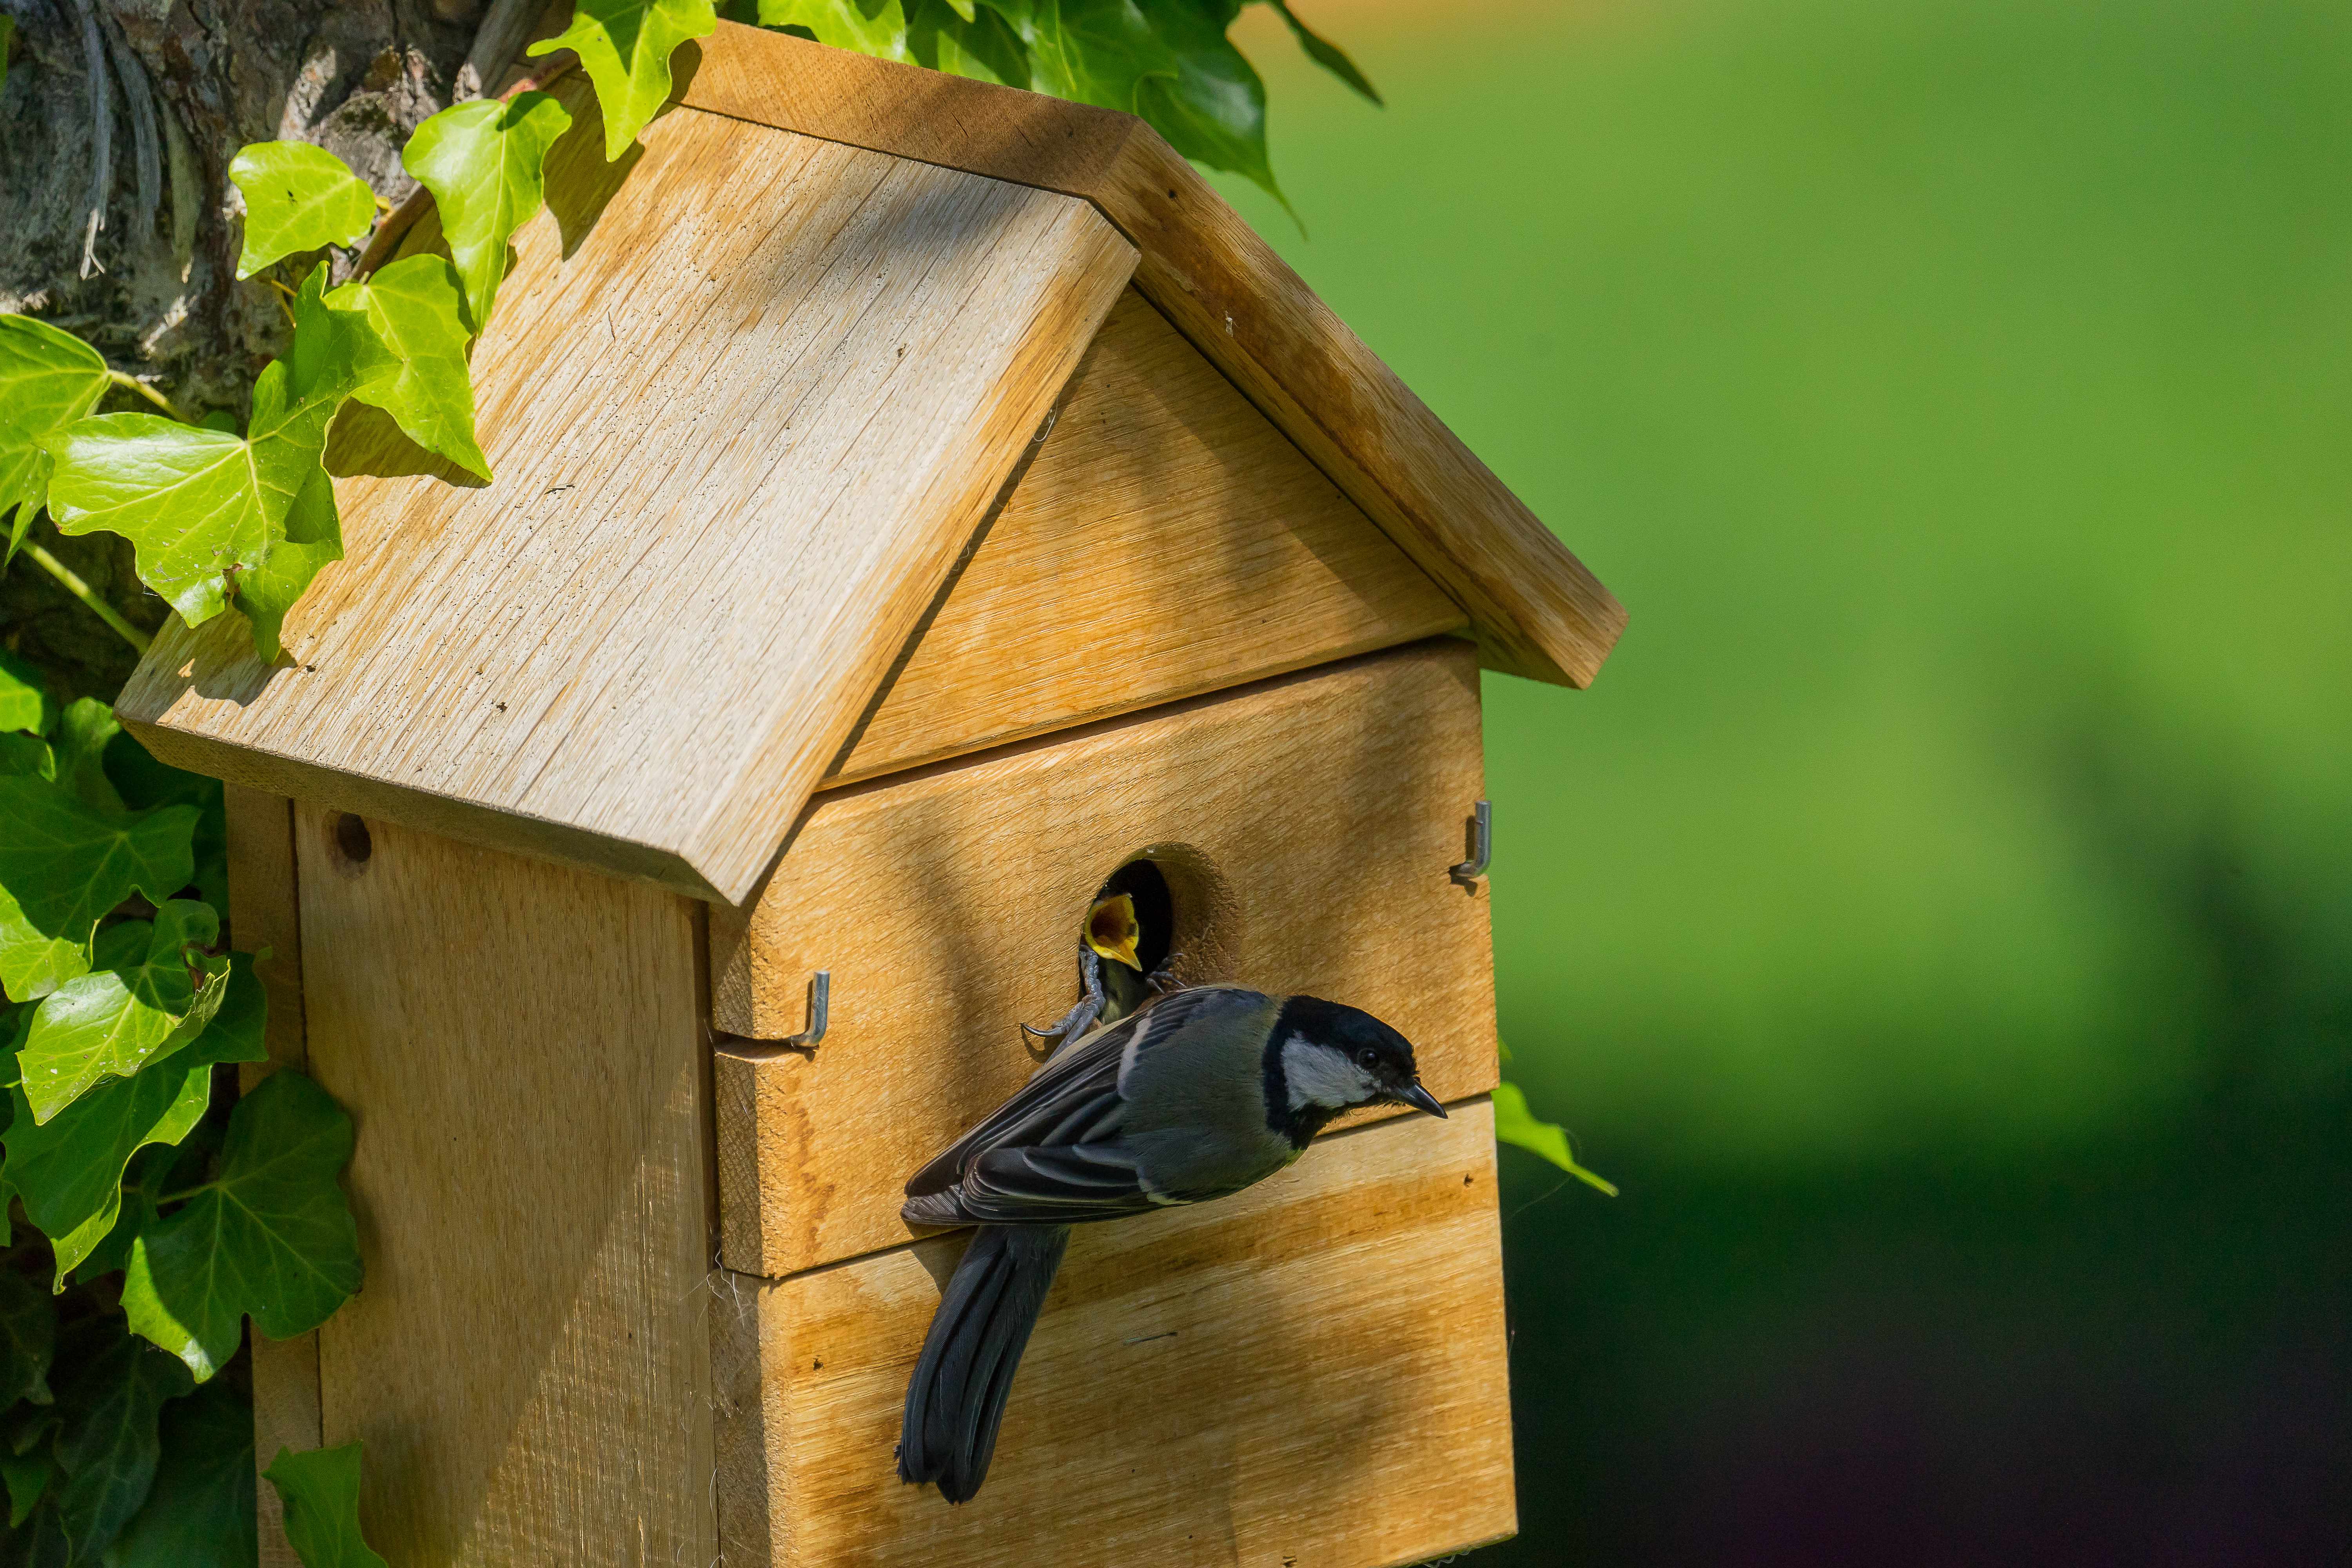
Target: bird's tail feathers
956	1398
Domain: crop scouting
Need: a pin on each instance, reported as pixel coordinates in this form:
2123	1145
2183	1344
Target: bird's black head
1324	1057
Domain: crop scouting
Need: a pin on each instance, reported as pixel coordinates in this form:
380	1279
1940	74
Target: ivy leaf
27	1476
272	1237
108	1445
625	47
48	379
63	865
1169	63
199	1512
297	197
29	1334
485	163
200	505
1327	54
141	1008
70	1171
321	1492
962	41
78	758
880	29
414	307
144	784
188	499
1517	1125
25	702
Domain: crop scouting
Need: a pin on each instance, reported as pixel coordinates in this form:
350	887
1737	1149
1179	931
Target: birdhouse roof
747	393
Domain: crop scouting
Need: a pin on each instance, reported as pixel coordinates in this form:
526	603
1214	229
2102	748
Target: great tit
1197	1096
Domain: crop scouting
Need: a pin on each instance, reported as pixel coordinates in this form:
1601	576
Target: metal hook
820	995
1482	848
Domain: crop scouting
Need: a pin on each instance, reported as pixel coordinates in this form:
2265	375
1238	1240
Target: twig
101	114
121	378
81	590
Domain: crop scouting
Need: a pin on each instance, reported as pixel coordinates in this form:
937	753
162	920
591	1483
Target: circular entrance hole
1188	921
351	839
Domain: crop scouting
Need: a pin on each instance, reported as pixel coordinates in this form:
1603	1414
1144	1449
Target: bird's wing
1058	1136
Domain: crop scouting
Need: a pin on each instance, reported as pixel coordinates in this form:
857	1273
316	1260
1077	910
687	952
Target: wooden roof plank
745	408
1538	611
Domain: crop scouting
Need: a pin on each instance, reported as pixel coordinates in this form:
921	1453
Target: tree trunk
118	222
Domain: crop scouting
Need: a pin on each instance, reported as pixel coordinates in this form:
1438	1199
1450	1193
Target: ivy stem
81	590
186	1192
121	378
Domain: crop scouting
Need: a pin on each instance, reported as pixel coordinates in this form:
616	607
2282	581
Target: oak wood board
1538	611
748	395
1305	826
266	903
1312	1371
521	1048
1164	539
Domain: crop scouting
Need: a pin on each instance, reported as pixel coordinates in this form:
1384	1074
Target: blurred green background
1938	917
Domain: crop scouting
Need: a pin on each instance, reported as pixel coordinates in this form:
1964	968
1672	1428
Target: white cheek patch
1317	1075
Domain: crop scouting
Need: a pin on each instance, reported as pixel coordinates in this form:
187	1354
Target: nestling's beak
1420	1099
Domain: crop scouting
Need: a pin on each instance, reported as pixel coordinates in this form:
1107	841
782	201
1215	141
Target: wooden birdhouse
920	505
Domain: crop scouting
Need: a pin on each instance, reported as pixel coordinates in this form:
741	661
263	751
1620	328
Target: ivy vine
173	1210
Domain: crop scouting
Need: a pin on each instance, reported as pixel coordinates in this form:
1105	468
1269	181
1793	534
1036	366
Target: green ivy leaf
625	47
79	756
199	1512
1517	1125
108	1445
27	1476
297	197
1169	63
25	701
142	1007
48	379
1327	54
63	864
962	41
271	1237
879	29
485	163
201	506
413	307
189	500
70	1171
145	784
29	1336
321	1491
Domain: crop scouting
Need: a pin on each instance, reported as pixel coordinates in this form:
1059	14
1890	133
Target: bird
1110	973
1198	1095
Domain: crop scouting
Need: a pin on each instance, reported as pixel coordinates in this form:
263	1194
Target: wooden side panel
1165	541
1311	1372
746	406
528	1360
266	904
1304	826
1539	612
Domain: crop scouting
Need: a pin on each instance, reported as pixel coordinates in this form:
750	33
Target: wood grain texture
746	406
1539	612
1310	1372
1304	826
1165	540
266	903
519	1045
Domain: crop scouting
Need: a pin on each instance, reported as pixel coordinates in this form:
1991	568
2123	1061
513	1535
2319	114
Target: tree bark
118	222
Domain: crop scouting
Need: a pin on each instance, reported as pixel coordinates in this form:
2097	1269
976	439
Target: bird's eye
1368	1057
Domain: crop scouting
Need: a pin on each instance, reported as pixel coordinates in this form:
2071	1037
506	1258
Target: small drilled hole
351	839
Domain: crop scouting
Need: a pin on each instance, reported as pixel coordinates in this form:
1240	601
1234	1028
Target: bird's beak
1420	1099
